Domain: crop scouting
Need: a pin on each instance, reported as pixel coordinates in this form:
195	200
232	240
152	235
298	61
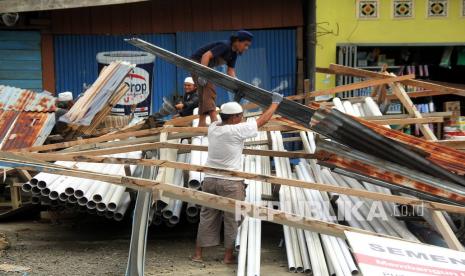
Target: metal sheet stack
90	109
95	197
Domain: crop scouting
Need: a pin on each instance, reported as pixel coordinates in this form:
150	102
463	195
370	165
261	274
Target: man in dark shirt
190	99
212	55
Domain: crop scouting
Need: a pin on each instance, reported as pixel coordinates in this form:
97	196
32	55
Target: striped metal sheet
17	99
270	61
20	59
76	65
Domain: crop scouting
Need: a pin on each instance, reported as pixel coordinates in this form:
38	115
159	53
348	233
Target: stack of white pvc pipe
172	211
357	212
198	157
102	198
308	251
388	224
248	240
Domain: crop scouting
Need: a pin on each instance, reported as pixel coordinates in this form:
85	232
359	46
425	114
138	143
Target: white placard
377	256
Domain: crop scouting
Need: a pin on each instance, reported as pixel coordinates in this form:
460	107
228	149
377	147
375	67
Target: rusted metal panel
446	157
12	98
25	130
330	159
7	118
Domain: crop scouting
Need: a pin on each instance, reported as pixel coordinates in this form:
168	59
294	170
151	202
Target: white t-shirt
225	145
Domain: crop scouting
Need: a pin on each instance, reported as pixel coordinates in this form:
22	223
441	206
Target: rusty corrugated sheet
371	171
7	118
25	130
446	157
12	98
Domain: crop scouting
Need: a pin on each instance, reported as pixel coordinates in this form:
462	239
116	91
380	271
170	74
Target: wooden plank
438	218
138	133
43	5
184	147
404	116
15	193
352	86
409	121
399	91
420	94
253	176
446	232
24	175
456	144
356	72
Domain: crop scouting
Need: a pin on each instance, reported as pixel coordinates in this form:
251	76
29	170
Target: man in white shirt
226	142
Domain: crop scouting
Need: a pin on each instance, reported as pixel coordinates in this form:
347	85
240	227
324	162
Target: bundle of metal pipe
105	199
306	250
248	240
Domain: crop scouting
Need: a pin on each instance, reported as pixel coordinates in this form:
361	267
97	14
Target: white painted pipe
35	199
82	201
242	253
104	189
26	187
102	205
283	202
91	204
192	210
343	264
348	108
195	178
157	220
372	107
361	110
358	110
46	179
174	219
338	104
72	199
123	207
35	190
109	214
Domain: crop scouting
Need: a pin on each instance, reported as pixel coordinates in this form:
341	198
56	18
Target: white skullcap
189	80
231	108
65	96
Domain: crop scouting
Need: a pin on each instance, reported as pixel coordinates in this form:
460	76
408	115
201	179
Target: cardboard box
454	107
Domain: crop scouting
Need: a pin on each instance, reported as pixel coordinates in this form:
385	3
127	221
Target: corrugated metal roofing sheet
24	129
12	98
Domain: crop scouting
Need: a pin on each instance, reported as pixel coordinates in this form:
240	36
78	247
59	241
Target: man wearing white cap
190	99
226	142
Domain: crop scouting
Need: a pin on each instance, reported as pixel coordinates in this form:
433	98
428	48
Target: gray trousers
210	219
